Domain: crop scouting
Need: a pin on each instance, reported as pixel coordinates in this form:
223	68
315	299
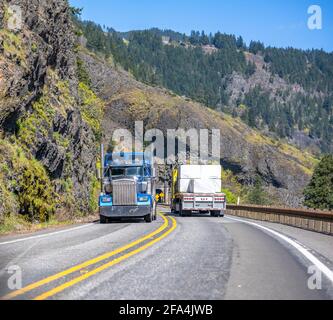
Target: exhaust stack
102	167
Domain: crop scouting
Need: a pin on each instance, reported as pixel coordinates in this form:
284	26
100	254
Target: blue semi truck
127	186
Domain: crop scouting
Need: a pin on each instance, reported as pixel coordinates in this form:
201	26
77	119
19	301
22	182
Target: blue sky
280	23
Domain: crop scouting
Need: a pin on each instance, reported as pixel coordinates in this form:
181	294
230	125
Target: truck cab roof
127	159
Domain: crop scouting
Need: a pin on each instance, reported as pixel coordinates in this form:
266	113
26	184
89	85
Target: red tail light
188	199
220	199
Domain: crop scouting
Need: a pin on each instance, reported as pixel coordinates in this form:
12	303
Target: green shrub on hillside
26	186
94	193
319	193
9	204
231	198
39	121
13	47
82	73
35	192
91	109
256	194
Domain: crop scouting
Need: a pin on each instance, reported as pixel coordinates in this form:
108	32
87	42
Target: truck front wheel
103	219
149	218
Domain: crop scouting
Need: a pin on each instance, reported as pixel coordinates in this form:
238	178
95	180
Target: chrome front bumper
125	211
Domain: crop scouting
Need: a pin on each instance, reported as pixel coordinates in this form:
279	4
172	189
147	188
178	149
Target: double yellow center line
165	229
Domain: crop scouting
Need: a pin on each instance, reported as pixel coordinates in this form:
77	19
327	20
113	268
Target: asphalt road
184	258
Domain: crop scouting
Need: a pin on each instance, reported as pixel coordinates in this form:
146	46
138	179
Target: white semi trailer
197	188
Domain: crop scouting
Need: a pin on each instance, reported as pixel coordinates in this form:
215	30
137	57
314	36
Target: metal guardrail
314	220
282	210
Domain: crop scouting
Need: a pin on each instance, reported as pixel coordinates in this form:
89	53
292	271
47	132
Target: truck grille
124	192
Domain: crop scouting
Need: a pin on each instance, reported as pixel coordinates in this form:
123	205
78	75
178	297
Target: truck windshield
132	172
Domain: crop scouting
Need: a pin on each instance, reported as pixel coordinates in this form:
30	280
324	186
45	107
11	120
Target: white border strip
323	268
45	235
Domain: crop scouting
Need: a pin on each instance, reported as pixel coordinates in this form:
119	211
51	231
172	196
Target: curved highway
176	258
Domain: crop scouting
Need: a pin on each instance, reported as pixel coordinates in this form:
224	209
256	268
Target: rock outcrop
42	111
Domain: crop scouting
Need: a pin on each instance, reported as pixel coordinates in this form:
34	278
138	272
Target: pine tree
256	47
257	194
319	193
240	43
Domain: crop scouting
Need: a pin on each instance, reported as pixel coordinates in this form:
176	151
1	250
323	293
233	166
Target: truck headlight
143	199
106	199
108	188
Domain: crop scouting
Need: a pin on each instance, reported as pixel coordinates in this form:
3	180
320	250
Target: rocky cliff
49	136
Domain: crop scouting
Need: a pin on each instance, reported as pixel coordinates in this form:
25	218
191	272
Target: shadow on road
167	212
196	215
123	220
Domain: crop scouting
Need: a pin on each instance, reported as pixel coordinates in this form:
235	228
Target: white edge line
323	268
45	235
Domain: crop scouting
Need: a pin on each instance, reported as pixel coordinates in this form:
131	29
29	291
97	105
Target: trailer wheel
175	209
181	212
215	214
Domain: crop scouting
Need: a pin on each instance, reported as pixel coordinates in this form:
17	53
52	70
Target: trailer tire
174	210
215	214
181	212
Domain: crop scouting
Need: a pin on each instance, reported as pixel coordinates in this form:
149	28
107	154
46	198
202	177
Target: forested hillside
284	92
253	163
